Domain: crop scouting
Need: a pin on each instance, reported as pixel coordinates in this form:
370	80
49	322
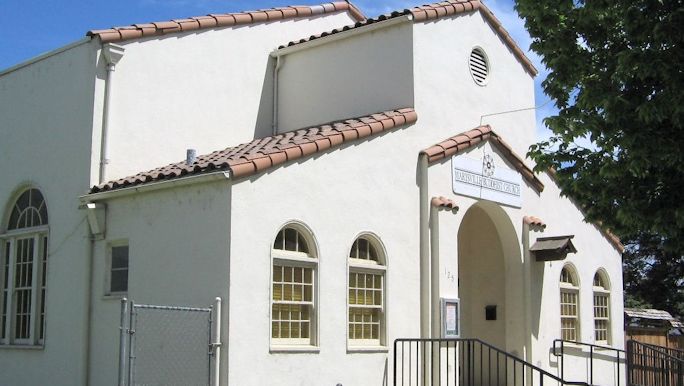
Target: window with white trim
23	271
293	288
569	304
117	269
366	298
601	309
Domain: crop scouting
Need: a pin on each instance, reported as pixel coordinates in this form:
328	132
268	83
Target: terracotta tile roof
136	31
535	222
442	202
435	11
468	139
263	153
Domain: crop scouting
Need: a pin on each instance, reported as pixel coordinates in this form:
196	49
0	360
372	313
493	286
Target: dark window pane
23	200
278	241
290	239
36	198
14	219
120	257
44	214
119	281
302	244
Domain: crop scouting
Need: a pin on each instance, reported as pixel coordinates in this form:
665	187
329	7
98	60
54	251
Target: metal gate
169	346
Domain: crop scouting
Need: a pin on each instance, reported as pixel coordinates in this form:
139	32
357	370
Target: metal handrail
591	355
468	353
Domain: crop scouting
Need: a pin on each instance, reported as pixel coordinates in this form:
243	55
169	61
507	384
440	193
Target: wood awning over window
552	248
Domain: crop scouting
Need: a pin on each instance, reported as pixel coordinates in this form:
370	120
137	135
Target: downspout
276	70
434	261
111	54
95	214
527	299
425	285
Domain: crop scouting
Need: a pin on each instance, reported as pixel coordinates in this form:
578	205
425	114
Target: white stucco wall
563	218
347	77
594	253
206	90
446	95
45	123
178	255
367	186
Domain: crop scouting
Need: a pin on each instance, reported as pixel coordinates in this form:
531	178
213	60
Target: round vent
479	66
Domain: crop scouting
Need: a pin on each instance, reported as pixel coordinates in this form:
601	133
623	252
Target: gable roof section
434	11
136	31
470	138
264	153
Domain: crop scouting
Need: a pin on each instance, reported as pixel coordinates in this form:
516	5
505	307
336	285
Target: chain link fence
170	346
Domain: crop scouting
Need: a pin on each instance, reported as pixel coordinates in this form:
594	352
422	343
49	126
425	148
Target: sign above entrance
481	178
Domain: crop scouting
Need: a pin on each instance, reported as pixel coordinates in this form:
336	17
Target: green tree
616	74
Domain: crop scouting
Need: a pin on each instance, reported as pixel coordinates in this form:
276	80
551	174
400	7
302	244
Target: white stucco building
348	184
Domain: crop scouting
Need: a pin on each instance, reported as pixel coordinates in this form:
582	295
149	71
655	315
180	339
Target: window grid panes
23	265
569	315
289	239
118	276
43	284
23	288
28	211
293	289
364	250
365	305
5	290
601	317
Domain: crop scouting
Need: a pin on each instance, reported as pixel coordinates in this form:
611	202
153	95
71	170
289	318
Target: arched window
23	272
293	295
366	302
601	309
569	304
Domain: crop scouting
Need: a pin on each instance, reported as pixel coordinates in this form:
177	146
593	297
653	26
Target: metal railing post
591	365
131	340
216	343
123	334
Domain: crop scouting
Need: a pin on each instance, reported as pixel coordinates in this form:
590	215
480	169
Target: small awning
552	248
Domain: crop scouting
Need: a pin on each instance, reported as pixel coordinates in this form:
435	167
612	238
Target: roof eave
223	175
332	37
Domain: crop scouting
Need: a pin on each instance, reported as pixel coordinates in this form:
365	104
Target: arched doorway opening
490	278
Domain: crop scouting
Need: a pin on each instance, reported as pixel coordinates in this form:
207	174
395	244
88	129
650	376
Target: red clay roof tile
442	202
535	222
471	138
263	153
223	20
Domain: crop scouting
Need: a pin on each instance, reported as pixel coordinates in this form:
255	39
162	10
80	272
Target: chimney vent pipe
190	156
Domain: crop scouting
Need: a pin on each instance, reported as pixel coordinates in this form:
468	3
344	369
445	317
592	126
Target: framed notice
451	318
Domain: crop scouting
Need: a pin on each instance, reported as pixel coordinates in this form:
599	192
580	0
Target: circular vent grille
479	66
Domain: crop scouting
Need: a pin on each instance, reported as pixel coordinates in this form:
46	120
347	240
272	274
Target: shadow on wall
263	126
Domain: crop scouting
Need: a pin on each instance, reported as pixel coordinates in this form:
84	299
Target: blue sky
31	27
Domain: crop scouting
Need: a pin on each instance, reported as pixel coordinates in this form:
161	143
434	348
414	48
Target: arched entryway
490	278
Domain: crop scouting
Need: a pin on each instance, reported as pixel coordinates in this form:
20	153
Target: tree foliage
616	74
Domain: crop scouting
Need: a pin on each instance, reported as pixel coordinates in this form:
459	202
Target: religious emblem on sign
488	165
